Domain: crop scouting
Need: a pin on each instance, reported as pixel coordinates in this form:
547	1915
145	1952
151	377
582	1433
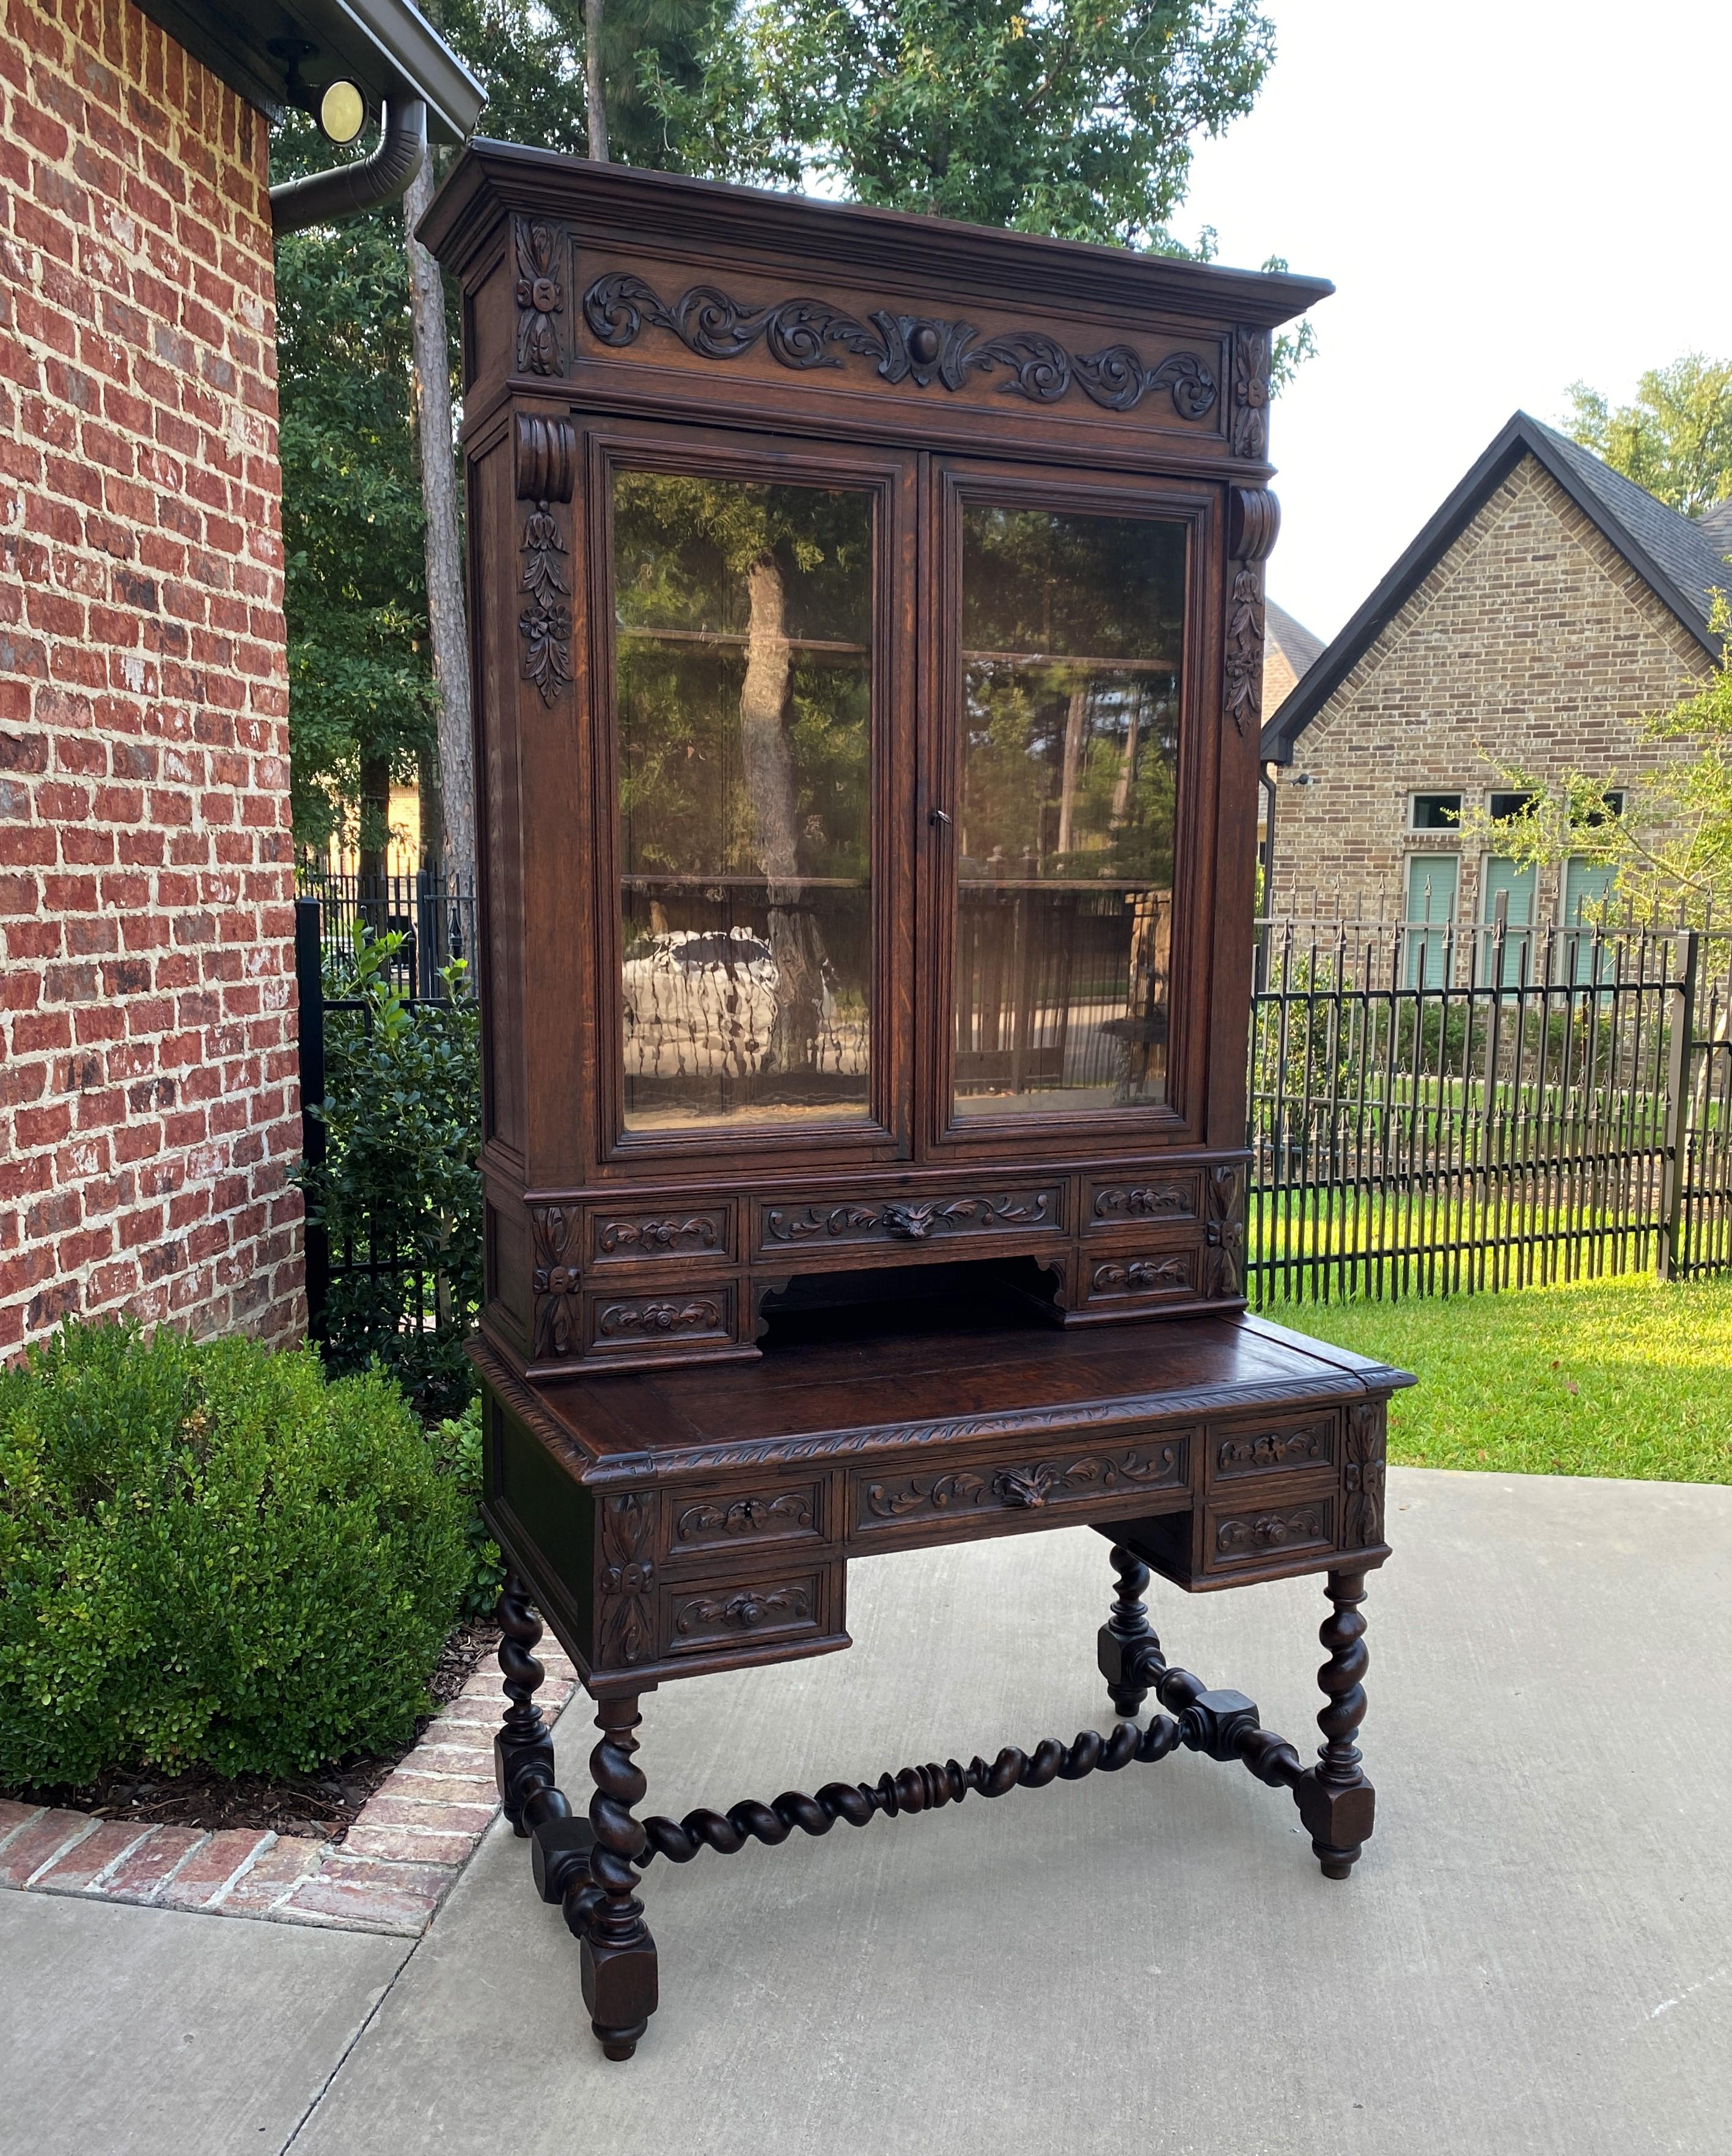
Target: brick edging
400	1859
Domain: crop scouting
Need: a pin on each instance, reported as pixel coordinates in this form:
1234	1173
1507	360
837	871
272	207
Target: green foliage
1675	439
399	1188
1072	117
459	1440
212	1556
360	672
1670	844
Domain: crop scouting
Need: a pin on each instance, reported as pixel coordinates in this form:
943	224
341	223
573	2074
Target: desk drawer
783	1604
1252	1529
888	1498
705	1524
1270	1445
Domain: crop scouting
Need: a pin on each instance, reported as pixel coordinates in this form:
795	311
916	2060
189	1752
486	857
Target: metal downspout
346	190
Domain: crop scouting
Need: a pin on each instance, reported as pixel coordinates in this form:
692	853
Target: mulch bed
322	1806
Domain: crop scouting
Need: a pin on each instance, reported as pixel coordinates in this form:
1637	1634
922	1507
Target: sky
1509	196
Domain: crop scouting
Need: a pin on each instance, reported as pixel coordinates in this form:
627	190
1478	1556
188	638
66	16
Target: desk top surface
888	1389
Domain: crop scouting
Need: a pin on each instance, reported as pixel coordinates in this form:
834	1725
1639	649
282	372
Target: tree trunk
1074	717
594	97
795	942
447	626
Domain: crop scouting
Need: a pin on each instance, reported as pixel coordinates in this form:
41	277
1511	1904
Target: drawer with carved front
641	1322
1103	1479
703	1525
954	1218
1272	1445
781	1605
1147	1199
1256	1529
621	1236
1140	1276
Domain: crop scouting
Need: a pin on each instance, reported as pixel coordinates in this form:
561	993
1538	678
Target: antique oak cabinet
867	620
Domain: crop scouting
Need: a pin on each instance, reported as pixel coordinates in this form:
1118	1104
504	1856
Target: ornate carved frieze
1223	1266
1248	1534
1250	431
1362	1476
744	1610
1025	1487
1242	670
554	1280
627	1578
1145	1201
697	1231
543	252
804	333
911	1223
645	1320
1143	1276
745	1519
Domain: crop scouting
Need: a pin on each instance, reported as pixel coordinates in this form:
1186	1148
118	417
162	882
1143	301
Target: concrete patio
1535	1953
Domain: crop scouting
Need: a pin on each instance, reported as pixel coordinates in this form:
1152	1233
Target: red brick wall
148	1109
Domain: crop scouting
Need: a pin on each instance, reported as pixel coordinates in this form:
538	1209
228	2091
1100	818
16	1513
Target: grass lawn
1624	1377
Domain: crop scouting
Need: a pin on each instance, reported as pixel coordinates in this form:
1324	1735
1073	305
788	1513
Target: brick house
149	1115
1547	606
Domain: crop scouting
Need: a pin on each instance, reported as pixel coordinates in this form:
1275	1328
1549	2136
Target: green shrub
399	1192
460	1442
211	1556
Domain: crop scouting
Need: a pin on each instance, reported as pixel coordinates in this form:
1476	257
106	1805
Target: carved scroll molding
1253	523
555	1281
911	1223
644	1319
801	333
1223	1266
1249	428
627	1578
547	458
1145	1201
1143	1276
699	1229
1025	1487
1242	670
543	249
1362	1476
790	1513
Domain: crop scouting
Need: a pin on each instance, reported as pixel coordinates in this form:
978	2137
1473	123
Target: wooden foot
1336	1803
1127	1638
619	1958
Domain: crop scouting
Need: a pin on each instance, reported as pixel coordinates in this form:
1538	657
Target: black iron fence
437	923
394	1277
1439	1109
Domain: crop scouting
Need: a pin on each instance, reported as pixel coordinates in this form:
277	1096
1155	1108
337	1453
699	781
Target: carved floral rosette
1223	1265
555	1280
627	1578
1362	1475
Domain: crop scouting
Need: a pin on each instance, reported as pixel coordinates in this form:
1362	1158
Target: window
1431	880
1591	818
1436	812
1513	882
1503	806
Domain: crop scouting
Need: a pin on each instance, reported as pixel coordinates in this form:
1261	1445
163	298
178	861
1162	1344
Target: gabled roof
1678	560
1295	642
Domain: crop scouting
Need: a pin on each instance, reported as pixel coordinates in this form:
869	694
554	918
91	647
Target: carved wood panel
820	1222
1223	1267
1279	1529
1270	1447
1150	1276
626	1580
651	1317
1362	1471
700	1524
880	1499
617	1236
1140	1200
734	1614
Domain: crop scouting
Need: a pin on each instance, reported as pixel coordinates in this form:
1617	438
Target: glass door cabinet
867	647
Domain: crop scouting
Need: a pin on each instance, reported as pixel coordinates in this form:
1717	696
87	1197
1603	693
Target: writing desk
679	1521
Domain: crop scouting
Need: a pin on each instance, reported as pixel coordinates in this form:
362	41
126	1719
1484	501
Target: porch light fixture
341	112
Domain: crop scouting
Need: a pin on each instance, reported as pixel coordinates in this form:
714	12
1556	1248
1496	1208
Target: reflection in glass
743	696
1072	629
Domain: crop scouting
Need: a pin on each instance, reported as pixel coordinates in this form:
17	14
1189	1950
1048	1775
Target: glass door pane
1072	626
743	706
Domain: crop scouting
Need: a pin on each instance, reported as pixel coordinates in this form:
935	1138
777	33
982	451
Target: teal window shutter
1519	883
1431	880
